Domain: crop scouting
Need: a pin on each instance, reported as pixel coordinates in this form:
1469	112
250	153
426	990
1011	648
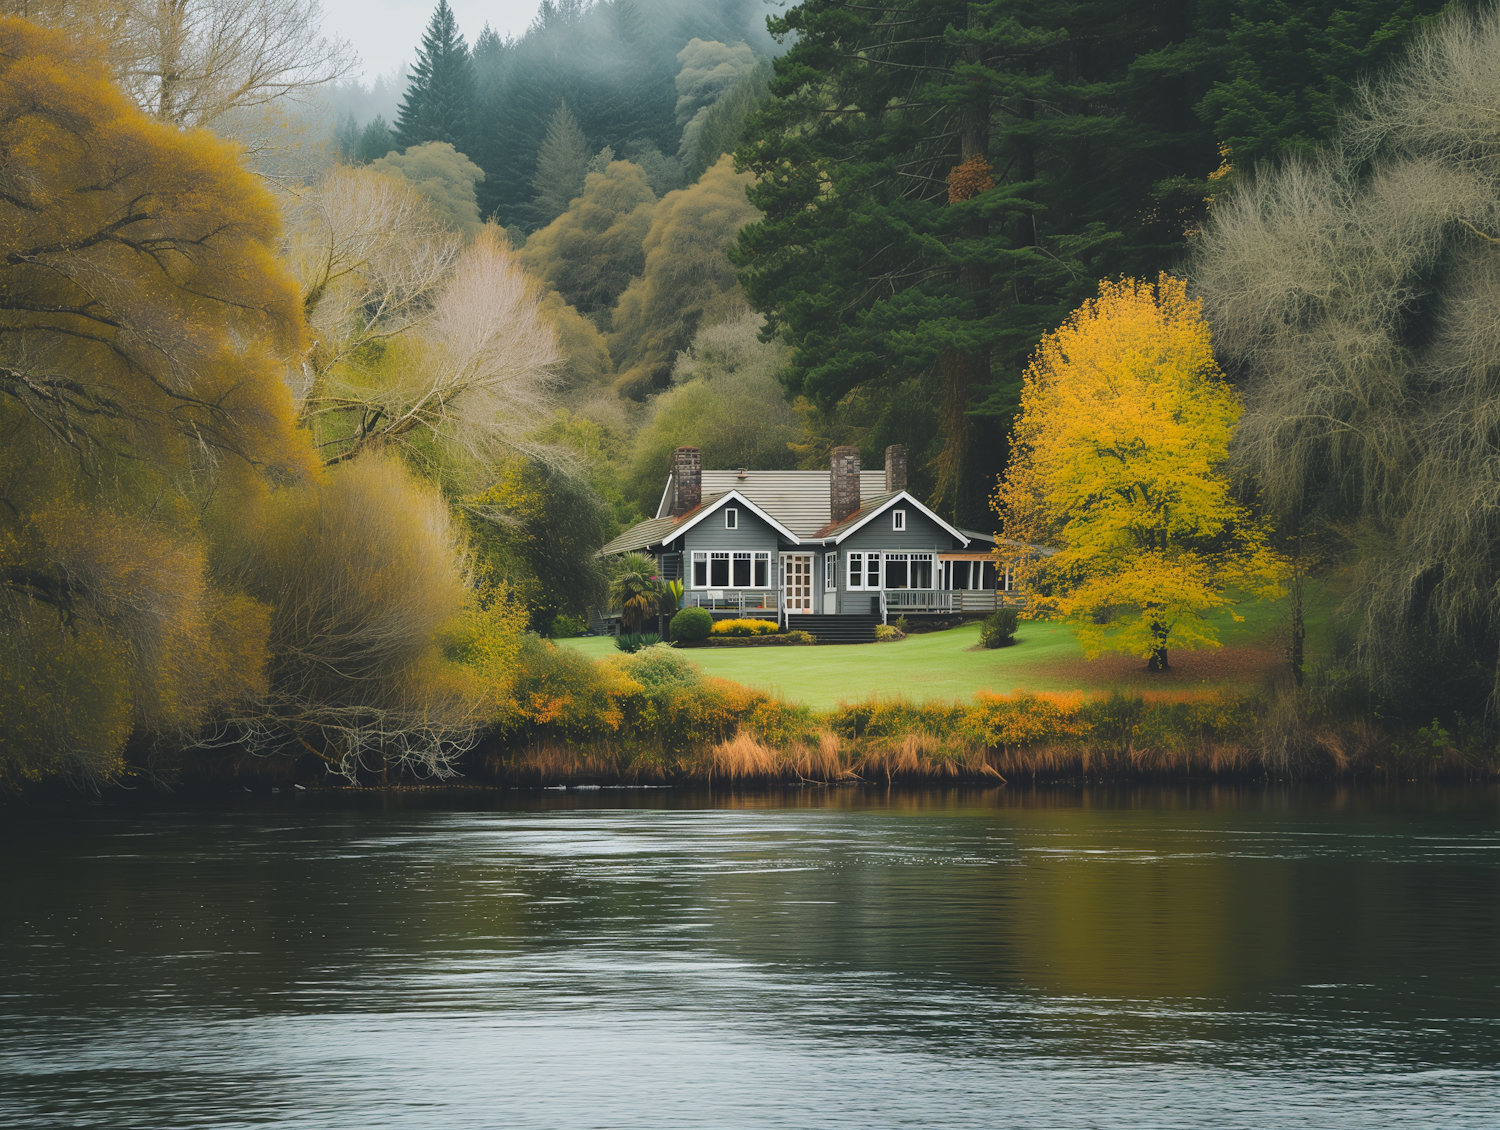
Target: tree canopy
146	325
1119	462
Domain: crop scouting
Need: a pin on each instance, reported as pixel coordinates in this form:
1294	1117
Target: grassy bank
660	716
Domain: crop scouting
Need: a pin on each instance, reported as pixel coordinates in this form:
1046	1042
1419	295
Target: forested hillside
454	347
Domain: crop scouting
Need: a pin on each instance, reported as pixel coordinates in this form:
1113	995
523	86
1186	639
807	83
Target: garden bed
780	639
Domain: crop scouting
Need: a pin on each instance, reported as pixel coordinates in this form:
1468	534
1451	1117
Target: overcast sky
385	32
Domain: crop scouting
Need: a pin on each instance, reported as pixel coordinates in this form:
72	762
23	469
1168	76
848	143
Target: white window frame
887	559
874	568
898	521
931	560
735	557
760	563
856	567
830	572
731	518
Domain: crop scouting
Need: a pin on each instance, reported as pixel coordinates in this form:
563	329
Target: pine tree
441	91
374	143
562	163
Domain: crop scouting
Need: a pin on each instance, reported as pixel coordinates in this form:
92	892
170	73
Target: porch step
838	629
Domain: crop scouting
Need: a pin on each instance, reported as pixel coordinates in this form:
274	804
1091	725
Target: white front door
797	582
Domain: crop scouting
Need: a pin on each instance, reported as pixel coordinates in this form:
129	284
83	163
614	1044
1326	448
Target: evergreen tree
614	63
562	163
942	182
441	91
375	142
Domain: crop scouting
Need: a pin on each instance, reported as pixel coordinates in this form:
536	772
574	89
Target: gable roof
697	514
799	499
836	532
659	531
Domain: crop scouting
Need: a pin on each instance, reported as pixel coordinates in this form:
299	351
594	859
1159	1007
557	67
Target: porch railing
737	600
898	601
917	600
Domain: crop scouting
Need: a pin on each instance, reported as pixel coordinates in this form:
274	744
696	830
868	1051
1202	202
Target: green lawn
934	665
951	665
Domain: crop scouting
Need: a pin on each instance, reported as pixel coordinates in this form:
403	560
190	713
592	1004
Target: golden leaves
1124	429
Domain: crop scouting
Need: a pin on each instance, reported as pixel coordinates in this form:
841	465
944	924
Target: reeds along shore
654	718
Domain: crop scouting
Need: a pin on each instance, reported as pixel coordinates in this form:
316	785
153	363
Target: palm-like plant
636	589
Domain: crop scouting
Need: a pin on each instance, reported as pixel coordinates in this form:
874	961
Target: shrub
565	627
692	624
659	666
744	628
631	642
999	628
886	632
902	625
799	636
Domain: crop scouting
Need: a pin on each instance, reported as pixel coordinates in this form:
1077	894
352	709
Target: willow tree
422	343
143	326
1119	463
1352	296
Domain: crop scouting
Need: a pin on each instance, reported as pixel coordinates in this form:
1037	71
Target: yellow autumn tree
143	329
1118	463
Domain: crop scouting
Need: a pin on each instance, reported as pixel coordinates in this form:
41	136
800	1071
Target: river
806	958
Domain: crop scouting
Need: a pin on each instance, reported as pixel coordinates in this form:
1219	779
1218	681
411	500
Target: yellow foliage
1124	430
743	628
143	414
155	312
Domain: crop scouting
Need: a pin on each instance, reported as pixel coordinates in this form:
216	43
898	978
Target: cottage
832	552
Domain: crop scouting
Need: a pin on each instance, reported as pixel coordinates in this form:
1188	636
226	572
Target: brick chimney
843	483
687	480
895	467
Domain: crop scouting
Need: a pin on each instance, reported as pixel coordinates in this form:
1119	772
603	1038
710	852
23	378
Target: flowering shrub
744	628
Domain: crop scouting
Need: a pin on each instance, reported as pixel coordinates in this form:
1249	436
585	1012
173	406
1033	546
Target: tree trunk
1158	660
1297	591
961	372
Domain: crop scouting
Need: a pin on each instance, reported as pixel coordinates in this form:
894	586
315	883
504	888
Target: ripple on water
953	960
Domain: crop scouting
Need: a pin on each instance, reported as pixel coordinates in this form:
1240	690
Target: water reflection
1212	957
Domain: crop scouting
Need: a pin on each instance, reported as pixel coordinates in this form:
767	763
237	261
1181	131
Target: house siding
751	534
922	535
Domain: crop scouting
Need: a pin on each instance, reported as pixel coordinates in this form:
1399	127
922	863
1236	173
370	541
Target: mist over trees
296	455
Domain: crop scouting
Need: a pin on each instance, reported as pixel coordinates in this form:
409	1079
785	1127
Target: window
762	570
895	571
1006	581
731	518
830	572
921	571
872	570
718	570
700	569
898	520
856	570
741	574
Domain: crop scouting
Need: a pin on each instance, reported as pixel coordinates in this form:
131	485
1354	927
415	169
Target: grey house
832	552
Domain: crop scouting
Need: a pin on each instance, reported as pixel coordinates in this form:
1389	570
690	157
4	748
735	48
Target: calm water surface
844	958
